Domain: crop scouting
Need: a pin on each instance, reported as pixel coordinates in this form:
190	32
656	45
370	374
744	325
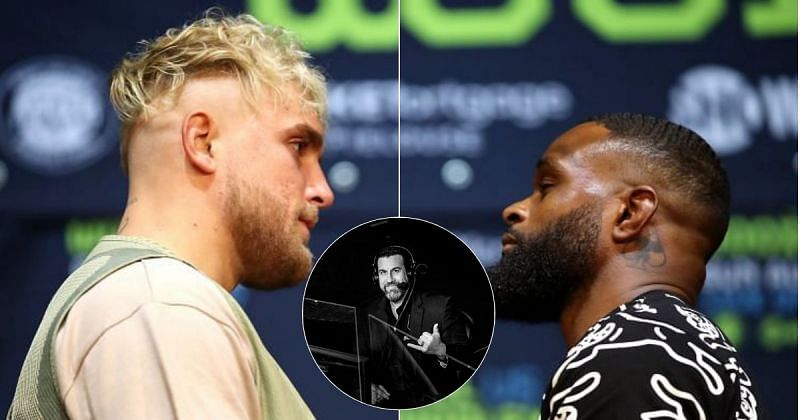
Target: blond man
222	132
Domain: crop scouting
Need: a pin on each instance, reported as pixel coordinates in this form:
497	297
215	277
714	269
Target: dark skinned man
613	244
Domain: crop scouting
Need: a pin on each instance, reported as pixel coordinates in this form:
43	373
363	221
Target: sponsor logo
721	105
54	115
448	119
458	24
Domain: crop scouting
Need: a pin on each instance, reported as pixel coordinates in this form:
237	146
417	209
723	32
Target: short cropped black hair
388	251
683	159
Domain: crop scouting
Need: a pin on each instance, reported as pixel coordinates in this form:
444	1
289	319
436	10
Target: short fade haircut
388	251
682	160
263	58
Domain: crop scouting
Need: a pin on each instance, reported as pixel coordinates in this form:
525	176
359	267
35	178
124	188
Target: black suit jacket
423	380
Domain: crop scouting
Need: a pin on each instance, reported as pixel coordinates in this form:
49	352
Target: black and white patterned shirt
652	358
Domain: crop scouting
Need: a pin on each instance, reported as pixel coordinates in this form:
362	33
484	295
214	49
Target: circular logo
54	115
719	104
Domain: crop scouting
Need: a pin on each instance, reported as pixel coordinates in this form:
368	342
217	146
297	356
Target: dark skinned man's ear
636	208
196	136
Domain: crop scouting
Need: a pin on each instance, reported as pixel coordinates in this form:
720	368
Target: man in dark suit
413	336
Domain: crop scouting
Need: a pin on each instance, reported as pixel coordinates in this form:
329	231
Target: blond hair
263	58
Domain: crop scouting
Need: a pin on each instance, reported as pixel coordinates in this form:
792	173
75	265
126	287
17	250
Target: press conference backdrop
486	85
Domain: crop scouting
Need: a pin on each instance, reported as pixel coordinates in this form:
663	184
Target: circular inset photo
398	313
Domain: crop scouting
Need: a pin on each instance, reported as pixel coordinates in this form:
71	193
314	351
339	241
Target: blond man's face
274	189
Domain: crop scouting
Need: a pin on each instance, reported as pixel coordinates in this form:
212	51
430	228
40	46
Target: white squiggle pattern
616	334
640	306
674	297
669	394
747	401
657	331
596	333
594	337
593	379
701	358
709	333
630	317
711	378
701	351
566	413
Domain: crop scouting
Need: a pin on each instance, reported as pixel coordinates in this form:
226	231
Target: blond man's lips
309	217
310	223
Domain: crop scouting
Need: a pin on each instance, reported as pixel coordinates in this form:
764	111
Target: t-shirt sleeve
166	361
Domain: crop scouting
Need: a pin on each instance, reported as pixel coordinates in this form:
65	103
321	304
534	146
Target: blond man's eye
299	145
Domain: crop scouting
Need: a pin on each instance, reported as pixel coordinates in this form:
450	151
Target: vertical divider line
398	118
398	122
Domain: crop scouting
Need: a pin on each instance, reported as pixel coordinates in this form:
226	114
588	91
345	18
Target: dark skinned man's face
551	245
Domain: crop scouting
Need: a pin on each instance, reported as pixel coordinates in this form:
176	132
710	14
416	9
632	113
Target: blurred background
485	87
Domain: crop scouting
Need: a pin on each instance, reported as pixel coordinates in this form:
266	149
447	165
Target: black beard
534	281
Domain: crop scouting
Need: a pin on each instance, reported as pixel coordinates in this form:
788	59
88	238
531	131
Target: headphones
408	260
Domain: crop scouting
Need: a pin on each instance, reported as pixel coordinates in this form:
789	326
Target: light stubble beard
535	280
270	249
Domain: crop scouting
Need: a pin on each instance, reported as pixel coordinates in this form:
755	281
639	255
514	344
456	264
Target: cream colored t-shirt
155	340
